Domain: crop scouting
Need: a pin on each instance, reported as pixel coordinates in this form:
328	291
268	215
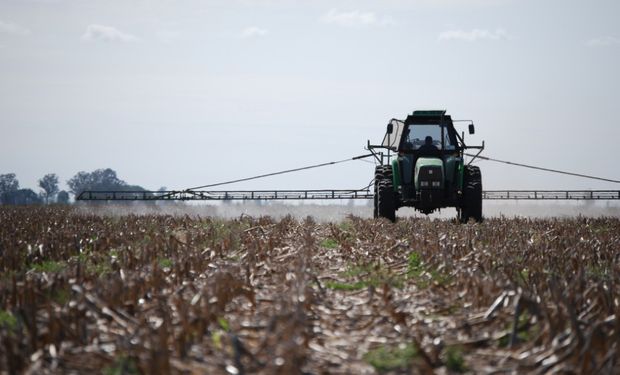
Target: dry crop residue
163	294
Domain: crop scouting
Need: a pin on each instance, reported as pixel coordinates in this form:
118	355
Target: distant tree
80	182
101	180
49	184
8	185
21	196
62	197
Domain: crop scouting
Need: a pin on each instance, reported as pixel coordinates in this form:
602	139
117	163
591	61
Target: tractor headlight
436	183
424	183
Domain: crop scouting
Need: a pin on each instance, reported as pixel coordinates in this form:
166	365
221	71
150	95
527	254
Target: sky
187	93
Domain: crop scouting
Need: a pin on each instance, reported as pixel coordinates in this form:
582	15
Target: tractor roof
428	117
438	112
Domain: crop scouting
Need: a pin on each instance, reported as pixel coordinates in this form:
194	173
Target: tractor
424	167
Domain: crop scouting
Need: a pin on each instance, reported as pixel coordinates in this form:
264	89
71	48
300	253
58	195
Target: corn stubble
162	294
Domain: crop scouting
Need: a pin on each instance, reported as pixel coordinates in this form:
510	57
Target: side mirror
390	128
472	130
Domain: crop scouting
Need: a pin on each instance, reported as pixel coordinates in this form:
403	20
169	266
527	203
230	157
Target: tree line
100	179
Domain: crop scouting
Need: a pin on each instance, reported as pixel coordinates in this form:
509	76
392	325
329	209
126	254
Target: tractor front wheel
472	195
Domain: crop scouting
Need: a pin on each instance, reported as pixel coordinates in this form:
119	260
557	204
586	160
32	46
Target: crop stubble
170	294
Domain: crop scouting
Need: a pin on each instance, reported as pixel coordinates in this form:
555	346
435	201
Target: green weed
329	243
61	296
216	338
346	226
365	275
223	324
48	266
7	320
100	268
454	359
165	263
337	285
525	330
391	358
423	275
415	267
122	366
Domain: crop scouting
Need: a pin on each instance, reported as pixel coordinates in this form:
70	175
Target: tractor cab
427	159
421	138
422	131
428	131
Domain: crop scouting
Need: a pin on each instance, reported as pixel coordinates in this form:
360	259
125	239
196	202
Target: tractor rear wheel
472	195
378	178
375	211
382	172
386	206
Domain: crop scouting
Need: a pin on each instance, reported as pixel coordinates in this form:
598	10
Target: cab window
417	135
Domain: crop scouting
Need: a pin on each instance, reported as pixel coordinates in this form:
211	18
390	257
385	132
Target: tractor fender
453	170
396	179
461	173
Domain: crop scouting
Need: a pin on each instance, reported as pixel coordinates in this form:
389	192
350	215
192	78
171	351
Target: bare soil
160	293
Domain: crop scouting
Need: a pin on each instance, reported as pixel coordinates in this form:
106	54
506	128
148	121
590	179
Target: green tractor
427	170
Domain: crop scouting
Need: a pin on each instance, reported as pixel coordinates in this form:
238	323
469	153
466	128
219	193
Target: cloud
354	18
253	32
466	3
168	36
12	28
107	34
603	41
473	35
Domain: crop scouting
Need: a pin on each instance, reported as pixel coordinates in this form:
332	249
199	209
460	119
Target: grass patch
414	265
391	358
48	266
122	366
598	272
424	276
338	285
225	233
223	324
97	263
440	278
346	226
455	360
329	243
358	270
364	276
165	263
525	330
100	269
216	338
61	296
8	320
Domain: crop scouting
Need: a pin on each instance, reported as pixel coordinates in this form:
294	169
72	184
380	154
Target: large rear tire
471	207
386	203
382	172
375	211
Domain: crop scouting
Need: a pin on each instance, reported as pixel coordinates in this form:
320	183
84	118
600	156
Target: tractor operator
428	145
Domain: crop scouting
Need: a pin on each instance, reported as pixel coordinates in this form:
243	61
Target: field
152	293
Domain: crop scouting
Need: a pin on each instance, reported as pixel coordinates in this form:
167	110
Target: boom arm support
245	195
